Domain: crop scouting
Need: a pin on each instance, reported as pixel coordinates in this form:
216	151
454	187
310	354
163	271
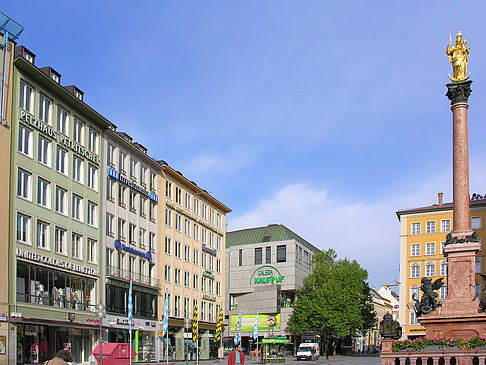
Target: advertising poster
266	322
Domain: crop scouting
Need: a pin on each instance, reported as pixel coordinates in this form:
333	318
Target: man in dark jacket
236	357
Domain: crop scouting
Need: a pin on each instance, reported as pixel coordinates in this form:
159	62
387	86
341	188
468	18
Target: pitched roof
270	233
436	207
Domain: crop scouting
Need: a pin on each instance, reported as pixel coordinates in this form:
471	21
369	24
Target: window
168	189
77	246
195	232
151	242
306	259
177	276
61	200
133	168
187	279
218	266
24	189
121	229
218	288
211	262
187	253
413	318
110	190
203	259
92	177
62	120
177	306
204	234
211	286
211	239
131	234
23	228
61	160
110	156
195	282
218	220
60	241
78	131
44	109
204	211
122	196
430	248
152	212
110	222
122	163
258	255
196	206
195	257
187	227
240	257
43	193
91	215
77	169
430	227
187	201
153	182
178	222
141	237
143	207
178	195
167	273
91	250
177	249
478	266
187	313
430	269
445	225
133	201
415	271
167	246
44	151
414	293
442	245
143	174
443	292
415	229
25	141
218	243
281	253
204	281
43	235
415	249
26	96
168	217
443	269
478	290
475	222
211	216
77	207
268	255
93	141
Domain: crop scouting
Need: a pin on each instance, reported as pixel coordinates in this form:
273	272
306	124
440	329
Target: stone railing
431	355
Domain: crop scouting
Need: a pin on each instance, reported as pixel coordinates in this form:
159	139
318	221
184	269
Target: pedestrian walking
62	357
236	357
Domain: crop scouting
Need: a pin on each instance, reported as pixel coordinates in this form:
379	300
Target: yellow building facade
422	236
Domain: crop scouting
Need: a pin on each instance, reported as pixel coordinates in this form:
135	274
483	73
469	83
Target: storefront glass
144	304
43	286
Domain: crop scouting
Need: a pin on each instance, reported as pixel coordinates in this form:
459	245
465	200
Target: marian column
459	315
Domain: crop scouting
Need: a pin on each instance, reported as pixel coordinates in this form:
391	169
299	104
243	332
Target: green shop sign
266	322
266	275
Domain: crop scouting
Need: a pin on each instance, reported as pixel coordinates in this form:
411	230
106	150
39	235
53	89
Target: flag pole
130	320
197	339
167	334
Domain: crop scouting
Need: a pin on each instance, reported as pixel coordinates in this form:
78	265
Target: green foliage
335	298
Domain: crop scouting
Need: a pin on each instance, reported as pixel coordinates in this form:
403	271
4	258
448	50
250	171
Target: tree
335	299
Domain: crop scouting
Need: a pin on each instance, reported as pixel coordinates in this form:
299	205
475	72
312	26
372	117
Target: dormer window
55	78
78	95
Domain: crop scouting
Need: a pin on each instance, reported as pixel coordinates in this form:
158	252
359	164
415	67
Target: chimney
440	195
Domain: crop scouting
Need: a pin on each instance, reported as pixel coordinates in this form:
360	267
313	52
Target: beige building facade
191	263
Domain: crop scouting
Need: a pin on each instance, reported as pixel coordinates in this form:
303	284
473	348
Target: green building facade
56	207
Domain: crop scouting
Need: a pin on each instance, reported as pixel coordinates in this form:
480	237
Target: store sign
16	315
92	320
266	275
3	317
61	138
417	330
120	246
207	273
117	176
208	297
208	250
124	321
55	262
266	322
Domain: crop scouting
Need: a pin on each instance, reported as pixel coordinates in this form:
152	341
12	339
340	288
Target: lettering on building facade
266	275
117	176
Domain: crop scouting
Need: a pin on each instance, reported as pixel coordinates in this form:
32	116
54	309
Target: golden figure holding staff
458	54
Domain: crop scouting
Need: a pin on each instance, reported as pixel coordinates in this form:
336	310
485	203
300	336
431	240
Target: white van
308	351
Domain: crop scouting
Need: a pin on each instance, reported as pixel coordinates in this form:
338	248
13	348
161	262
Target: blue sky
325	116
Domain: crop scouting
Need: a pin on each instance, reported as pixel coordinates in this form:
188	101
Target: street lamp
101	314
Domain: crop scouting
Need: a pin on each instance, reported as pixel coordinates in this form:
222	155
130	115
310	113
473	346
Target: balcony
115	272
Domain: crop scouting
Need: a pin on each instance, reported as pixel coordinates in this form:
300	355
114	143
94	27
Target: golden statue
458	54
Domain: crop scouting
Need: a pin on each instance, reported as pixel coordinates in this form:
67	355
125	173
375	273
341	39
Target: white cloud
365	232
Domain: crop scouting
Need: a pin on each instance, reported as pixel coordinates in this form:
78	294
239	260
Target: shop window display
144	304
43	286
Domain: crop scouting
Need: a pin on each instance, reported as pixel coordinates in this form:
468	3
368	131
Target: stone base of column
460	326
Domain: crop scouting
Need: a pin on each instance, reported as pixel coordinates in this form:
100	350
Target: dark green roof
270	233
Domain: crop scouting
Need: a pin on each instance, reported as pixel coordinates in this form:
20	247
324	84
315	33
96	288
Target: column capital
458	92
